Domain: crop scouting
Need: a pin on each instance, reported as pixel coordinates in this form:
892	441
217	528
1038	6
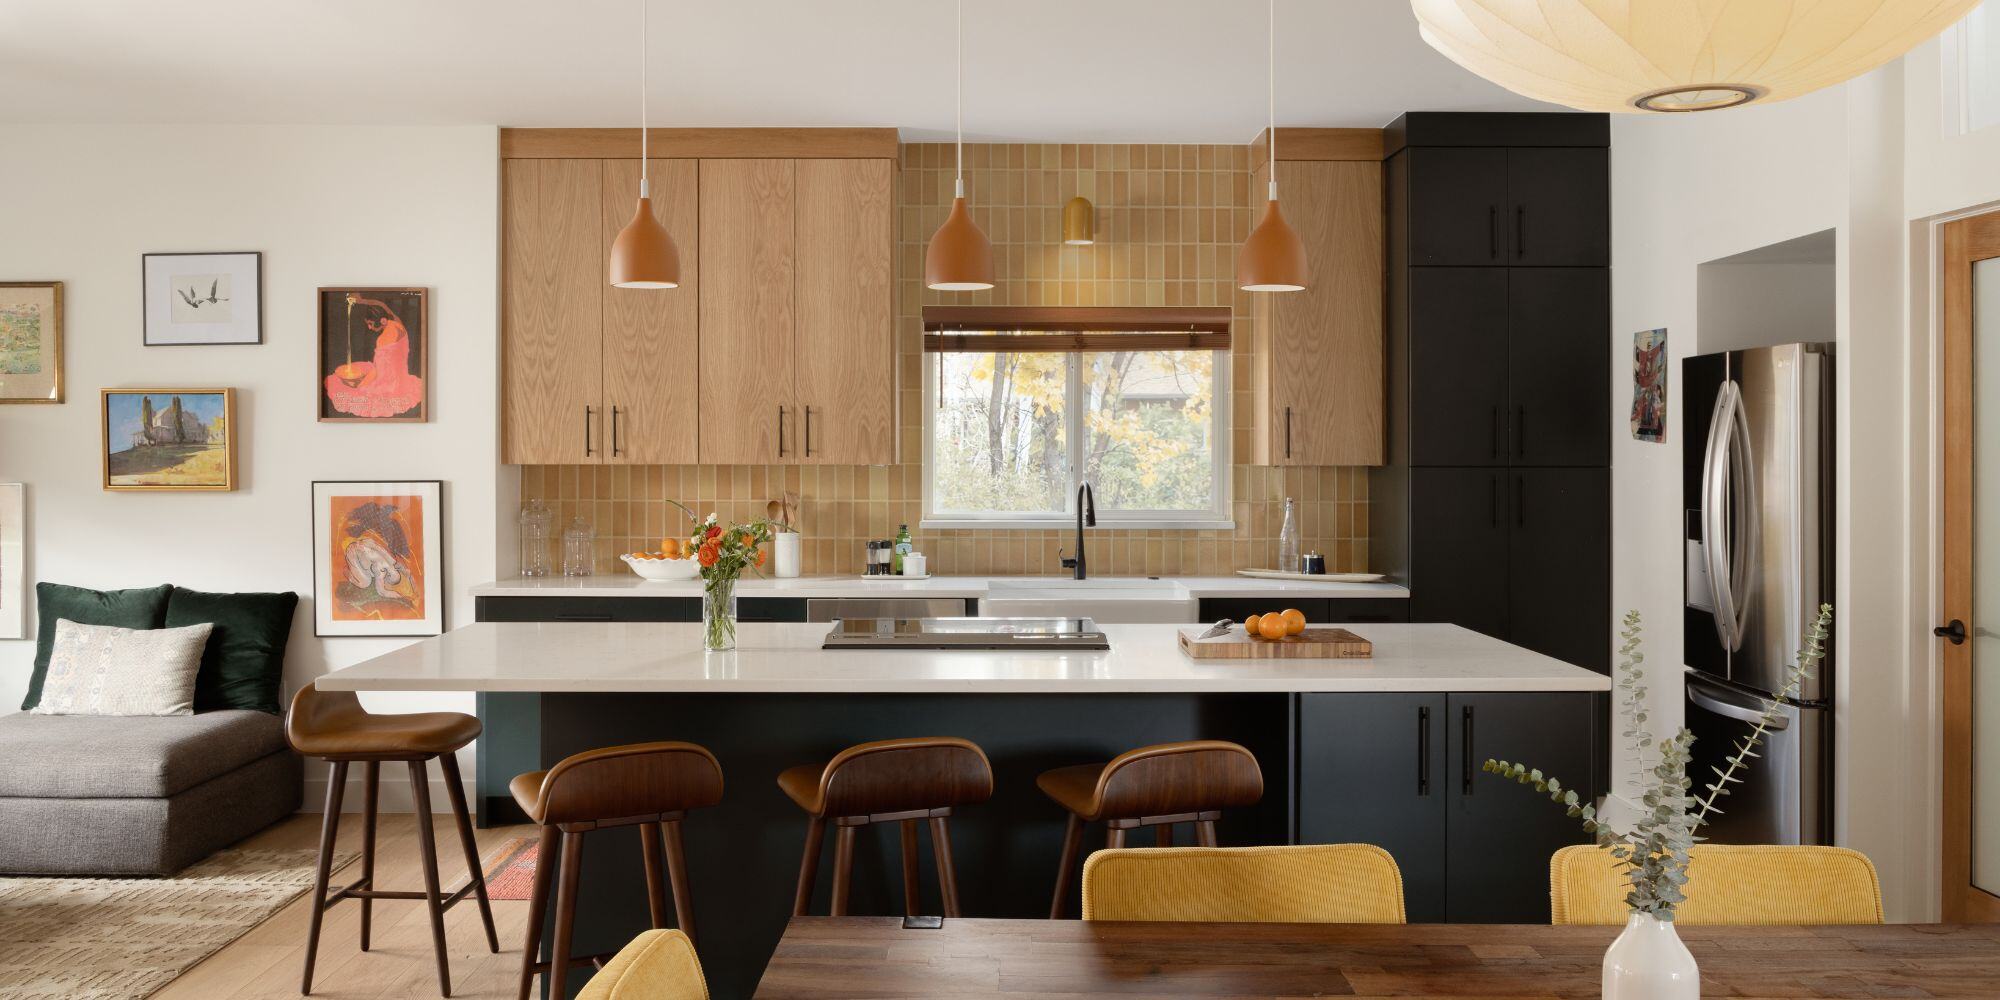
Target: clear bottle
579	543
1288	540
535	520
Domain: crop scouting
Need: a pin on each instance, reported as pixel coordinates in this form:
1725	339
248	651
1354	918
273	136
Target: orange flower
760	558
709	554
748	539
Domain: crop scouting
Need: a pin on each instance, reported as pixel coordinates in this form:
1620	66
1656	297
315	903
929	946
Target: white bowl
664	569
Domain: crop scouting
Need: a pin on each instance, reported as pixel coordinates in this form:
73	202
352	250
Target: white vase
1649	962
785	558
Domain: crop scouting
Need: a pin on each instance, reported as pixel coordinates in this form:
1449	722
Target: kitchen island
1383	750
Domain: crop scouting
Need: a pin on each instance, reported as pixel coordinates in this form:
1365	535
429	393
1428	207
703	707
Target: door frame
1962	242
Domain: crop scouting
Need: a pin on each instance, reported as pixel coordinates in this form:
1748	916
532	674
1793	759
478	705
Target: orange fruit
1250	625
1272	626
1295	620
670	548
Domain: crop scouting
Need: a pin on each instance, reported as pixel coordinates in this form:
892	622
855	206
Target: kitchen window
1021	405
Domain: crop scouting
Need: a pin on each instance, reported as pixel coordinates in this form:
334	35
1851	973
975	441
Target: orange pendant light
959	258
1273	259
643	255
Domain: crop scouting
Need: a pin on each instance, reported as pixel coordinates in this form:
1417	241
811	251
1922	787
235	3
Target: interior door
1458	366
552	291
650	333
1970	554
845	348
749	415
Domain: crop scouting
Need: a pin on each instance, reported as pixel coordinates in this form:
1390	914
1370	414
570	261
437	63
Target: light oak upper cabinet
1319	377
553	285
844	343
749	413
650	335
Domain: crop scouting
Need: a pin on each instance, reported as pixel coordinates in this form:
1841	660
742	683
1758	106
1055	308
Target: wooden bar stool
333	725
1156	786
649	785
888	781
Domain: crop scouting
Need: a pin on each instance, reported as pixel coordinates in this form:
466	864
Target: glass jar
1288	540
579	544
535	521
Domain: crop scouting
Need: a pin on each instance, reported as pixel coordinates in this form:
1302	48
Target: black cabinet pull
1423	750
1465	750
809	432
616	450
588	412
1492	231
1520	432
1520	231
1288	432
1520	501
781	432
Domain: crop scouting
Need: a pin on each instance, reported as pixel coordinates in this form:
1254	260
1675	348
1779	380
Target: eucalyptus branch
1809	656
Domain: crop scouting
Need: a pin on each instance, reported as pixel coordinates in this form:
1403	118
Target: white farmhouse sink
1108	600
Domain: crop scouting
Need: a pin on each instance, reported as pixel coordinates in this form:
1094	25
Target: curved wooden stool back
900	781
1156	786
648	785
332	725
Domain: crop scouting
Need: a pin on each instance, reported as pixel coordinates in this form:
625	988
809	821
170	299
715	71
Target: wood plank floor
266	962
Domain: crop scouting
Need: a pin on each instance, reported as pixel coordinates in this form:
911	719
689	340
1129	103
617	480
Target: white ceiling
1053	70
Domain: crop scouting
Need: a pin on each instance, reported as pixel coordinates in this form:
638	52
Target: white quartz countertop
625	584
573	657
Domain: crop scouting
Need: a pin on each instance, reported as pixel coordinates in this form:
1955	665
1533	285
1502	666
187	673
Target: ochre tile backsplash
1169	219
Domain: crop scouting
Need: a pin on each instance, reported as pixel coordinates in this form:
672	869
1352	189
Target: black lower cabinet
1318	610
1403	772
630	609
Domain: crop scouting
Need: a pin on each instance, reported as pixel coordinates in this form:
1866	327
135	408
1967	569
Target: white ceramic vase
1649	962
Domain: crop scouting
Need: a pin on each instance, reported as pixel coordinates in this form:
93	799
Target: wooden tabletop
855	957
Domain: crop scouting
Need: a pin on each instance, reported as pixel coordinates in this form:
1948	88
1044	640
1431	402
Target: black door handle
1288	432
809	432
1955	631
781	432
588	412
1492	231
1520	231
1520	432
1465	751
1423	750
615	449
1495	436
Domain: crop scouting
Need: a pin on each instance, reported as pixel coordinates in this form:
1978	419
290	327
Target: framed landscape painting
13	562
203	298
31	331
374	354
378	558
169	439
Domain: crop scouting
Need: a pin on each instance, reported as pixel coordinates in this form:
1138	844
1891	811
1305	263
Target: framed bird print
374	354
203	298
378	558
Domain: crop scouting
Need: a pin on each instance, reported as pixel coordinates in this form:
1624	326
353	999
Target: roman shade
1073	329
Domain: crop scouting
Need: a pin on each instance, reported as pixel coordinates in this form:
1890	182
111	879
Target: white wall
326	206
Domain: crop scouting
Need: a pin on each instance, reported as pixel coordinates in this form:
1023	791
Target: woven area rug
125	938
510	871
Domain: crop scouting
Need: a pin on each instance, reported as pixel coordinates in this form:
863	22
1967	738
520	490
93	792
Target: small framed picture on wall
374	354
31	332
378	558
169	439
203	298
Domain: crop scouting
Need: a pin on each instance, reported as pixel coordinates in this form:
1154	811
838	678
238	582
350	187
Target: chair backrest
656	965
639	779
904	775
1174	778
1309	883
1727	884
315	712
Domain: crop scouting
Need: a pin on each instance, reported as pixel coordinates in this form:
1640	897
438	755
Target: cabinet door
552	381
749	415
1458	548
1500	834
845	348
650	334
1559	565
1559	332
1372	771
1457	206
1560	206
1458	365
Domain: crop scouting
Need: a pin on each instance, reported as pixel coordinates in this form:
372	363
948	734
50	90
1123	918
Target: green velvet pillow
244	664
145	608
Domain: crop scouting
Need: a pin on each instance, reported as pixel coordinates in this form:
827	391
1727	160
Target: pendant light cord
644	9
1271	94
958	157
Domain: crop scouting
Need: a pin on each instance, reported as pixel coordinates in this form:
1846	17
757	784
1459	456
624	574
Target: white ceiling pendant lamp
959	258
1676	55
1273	258
643	255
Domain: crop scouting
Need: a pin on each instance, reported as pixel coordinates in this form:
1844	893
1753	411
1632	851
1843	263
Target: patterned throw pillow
106	670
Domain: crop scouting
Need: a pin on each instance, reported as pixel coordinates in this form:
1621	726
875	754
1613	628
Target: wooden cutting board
1312	644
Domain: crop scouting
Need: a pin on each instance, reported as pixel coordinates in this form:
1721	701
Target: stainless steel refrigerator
1757	486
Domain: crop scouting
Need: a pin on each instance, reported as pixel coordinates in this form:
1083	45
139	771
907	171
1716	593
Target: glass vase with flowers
723	553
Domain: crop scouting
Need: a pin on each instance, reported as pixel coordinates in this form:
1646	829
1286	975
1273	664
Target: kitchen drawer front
1320	610
587	609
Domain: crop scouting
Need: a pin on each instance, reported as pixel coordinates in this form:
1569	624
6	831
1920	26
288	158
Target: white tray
1279	574
890	577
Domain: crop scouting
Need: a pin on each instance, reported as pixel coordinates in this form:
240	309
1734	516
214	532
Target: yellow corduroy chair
656	965
1310	883
1727	884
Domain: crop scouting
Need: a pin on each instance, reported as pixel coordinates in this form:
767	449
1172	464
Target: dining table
857	957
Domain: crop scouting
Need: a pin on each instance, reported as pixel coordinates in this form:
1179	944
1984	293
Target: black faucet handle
1068	562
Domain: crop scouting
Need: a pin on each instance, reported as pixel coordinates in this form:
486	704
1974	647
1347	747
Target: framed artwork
169	439
1649	385
204	298
374	354
378	558
13	560
31	334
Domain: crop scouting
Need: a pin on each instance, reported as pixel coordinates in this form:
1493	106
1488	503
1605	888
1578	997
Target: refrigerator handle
1748	543
1715	518
1728	711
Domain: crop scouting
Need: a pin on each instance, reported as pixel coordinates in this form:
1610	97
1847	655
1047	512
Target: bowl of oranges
1276	625
671	562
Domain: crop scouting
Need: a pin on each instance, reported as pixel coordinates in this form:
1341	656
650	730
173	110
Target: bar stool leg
454	790
1114	837
538	905
947	876
572	870
677	876
336	783
1163	835
1066	868
371	786
911	904
809	866
1205	833
656	890
843	868
427	846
